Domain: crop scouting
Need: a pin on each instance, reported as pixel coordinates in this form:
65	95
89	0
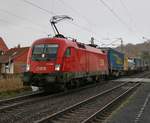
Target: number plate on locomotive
41	68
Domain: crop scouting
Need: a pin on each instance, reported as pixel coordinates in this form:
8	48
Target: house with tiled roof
3	46
14	60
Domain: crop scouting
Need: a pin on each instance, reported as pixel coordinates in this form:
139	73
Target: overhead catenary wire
3	21
16	26
26	18
77	13
39	7
133	24
76	24
20	17
83	17
52	13
116	15
127	11
113	42
38	26
49	12
125	8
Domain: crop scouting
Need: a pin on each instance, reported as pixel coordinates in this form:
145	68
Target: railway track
140	75
11	103
33	97
84	111
19	100
37	107
103	113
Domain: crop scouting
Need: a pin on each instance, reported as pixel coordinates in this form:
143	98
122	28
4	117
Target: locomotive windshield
44	52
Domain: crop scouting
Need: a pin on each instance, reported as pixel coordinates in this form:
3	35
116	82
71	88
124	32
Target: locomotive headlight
27	67
57	67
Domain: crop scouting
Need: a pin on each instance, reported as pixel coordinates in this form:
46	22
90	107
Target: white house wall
6	69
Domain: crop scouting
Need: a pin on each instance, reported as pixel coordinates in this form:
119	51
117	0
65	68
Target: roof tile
12	53
3	46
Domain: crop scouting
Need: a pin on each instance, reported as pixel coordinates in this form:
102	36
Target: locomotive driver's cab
44	52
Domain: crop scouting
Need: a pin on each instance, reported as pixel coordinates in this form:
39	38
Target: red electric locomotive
59	61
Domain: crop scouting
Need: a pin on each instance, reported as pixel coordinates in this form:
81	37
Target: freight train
63	63
59	62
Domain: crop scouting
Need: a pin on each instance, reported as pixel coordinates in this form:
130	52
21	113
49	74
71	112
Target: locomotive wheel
51	88
73	84
63	87
97	79
77	83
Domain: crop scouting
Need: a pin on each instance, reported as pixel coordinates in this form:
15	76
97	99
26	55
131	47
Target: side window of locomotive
68	52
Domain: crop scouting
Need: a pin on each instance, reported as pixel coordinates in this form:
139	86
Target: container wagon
115	61
126	64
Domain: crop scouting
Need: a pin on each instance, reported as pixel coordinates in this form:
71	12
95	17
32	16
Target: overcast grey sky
22	22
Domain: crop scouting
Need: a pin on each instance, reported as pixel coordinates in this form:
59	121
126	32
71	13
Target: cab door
69	60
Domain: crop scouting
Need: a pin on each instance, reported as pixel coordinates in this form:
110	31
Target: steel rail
18	101
70	108
109	105
20	97
24	102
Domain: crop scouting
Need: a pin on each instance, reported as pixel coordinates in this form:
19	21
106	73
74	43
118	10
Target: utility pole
121	45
